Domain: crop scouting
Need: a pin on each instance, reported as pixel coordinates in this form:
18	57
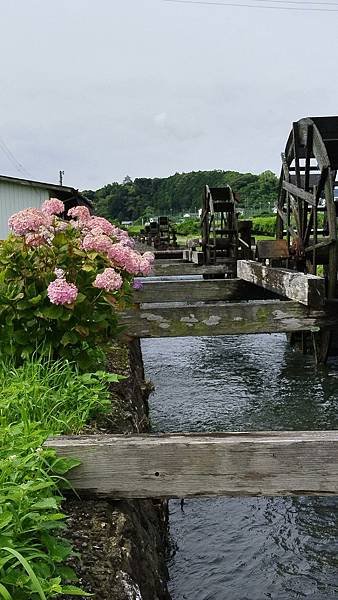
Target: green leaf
35	300
50	312
72	590
80	298
63	465
35	582
45	503
67	573
21	337
70	337
5	519
4	593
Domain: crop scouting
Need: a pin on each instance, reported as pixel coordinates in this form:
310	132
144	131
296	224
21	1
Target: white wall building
17	194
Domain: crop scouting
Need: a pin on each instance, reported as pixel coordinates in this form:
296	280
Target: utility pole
61	174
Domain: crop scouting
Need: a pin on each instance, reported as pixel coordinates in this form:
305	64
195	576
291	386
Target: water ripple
246	548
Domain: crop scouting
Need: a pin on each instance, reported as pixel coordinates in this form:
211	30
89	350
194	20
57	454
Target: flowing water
246	548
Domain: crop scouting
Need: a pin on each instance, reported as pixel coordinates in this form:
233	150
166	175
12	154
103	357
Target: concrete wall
15	197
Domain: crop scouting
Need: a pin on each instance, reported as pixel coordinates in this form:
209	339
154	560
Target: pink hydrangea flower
109	280
60	274
123	237
60	225
27	221
60	291
145	266
53	207
125	257
99	243
127	241
79	212
34	240
102	224
149	256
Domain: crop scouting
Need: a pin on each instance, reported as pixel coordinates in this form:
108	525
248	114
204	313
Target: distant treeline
145	197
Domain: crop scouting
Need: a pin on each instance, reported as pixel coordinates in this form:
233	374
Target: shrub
62	284
36	400
264	226
189	227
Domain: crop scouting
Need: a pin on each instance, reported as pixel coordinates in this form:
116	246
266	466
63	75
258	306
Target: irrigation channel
246	548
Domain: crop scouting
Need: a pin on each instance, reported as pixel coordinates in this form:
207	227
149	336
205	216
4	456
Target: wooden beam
299	193
198	290
177	320
223	464
307	289
285	218
168	254
178	267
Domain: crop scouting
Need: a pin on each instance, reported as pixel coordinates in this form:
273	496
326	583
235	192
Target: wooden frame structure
230	464
306	190
262	300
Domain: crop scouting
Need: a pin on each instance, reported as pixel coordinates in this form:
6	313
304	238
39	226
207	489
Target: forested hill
178	193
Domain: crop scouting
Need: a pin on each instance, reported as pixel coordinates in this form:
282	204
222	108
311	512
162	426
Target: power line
19	167
261	7
299	2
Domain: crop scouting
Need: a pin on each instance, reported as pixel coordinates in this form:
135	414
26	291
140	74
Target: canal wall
121	544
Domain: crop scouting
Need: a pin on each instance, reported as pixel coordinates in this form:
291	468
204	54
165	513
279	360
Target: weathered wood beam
173	253
265	316
224	464
307	289
178	267
197	290
299	193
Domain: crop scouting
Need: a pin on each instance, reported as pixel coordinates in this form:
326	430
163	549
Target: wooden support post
321	344
184	465
197	257
307	289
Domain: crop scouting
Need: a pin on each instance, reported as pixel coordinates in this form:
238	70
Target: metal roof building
17	194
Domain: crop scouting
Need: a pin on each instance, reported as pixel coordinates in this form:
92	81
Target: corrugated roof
62	192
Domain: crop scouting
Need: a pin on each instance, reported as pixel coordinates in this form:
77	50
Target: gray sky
102	88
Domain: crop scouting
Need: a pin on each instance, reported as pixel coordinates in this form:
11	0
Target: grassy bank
37	400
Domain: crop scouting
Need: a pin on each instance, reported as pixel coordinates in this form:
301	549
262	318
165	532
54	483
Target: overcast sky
105	88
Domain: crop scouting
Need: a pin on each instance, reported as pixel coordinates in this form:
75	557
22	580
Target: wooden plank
198	290
170	253
261	316
307	289
185	465
299	193
178	267
272	249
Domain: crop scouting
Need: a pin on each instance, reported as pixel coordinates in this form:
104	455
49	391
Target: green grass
51	394
37	400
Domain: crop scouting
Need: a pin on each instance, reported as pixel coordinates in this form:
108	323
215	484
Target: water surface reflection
246	548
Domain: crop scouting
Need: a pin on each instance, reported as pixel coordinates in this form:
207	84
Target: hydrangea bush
63	283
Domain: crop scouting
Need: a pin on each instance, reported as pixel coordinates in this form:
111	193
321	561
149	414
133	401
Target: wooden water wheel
219	227
307	206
